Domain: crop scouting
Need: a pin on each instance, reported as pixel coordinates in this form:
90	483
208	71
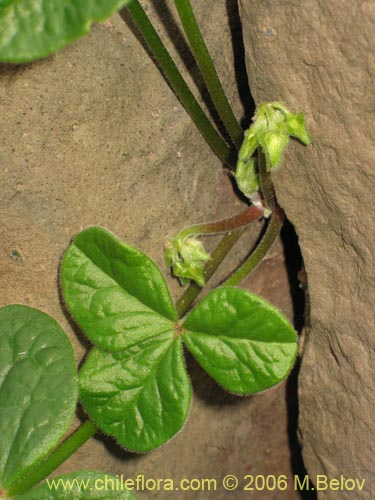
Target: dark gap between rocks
298	291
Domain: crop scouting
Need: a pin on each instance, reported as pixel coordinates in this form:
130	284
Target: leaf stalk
223	226
208	71
55	459
273	229
178	84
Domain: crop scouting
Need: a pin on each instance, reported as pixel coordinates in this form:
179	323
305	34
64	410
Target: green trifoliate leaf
80	486
34	29
186	256
271	116
140	396
38	389
247	177
272	135
140	393
192	249
115	292
241	340
187	272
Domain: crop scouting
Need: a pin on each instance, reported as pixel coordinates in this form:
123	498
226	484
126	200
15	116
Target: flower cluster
186	257
273	125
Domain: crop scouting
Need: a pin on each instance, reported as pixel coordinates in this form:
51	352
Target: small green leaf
115	292
38	389
80	486
249	144
242	341
140	396
34	29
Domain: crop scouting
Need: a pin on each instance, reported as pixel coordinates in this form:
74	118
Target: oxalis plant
134	385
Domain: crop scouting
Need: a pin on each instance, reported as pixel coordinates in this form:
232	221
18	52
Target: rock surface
94	136
318	57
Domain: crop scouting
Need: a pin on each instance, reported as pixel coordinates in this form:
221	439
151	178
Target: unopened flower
273	125
186	257
278	124
247	177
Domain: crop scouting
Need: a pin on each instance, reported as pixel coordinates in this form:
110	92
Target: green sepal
241	340
38	389
247	177
296	127
120	299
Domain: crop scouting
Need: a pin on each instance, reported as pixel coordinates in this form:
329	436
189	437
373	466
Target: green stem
57	457
223	226
208	71
178	84
217	256
273	229
266	184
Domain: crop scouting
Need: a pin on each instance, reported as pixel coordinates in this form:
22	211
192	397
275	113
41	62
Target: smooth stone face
317	57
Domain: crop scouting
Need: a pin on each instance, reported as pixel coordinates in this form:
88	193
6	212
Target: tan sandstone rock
318	57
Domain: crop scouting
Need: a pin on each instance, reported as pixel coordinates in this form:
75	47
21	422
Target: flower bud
186	256
274	143
249	145
272	126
